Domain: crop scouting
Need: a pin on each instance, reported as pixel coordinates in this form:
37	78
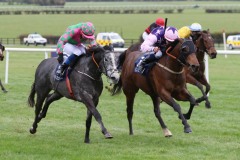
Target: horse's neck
200	49
88	66
171	63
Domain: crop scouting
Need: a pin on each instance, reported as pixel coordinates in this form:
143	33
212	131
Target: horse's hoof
32	131
207	105
108	136
5	91
187	130
167	133
87	141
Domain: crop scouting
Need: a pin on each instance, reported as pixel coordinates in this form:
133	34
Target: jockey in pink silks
154	45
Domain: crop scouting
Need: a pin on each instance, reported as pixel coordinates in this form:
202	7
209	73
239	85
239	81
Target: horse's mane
173	44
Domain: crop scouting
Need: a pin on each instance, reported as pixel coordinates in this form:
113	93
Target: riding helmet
88	30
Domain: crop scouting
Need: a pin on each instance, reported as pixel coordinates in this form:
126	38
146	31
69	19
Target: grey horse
86	83
2	48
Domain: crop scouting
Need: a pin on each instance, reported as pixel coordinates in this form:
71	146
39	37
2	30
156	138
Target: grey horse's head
109	68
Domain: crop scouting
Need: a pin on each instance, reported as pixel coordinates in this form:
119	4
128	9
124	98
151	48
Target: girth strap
69	87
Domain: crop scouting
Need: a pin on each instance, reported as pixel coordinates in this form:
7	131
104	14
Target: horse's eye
185	49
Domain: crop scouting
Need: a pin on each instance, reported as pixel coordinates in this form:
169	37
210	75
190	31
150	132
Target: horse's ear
108	47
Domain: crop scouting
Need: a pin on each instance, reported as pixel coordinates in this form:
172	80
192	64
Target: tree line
37	2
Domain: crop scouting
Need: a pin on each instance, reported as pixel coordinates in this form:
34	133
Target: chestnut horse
204	44
166	80
2	48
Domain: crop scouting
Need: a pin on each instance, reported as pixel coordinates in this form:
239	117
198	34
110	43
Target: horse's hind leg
38	108
156	104
50	98
2	87
130	101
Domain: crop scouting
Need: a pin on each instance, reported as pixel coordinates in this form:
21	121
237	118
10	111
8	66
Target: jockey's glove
60	58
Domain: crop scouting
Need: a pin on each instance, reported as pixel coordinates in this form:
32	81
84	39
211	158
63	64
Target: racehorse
204	44
86	85
2	48
166	80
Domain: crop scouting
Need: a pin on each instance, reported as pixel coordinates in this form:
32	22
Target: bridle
181	56
175	58
206	49
99	69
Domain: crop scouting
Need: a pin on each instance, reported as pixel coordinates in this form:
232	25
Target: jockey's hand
60	58
156	49
90	46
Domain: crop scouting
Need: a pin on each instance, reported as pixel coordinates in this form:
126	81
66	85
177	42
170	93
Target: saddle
146	68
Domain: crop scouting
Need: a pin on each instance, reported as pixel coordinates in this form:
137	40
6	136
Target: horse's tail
31	101
122	59
117	88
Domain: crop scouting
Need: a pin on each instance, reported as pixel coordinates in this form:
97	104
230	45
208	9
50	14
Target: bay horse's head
107	62
205	43
2	48
184	51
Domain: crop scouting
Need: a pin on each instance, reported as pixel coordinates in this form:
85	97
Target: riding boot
60	71
146	60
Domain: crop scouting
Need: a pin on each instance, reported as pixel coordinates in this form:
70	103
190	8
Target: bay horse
204	44
86	84
166	80
2	49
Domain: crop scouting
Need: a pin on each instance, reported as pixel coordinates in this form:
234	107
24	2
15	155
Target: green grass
60	135
129	25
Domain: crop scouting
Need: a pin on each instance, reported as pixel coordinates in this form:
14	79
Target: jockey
70	45
155	44
158	23
192	31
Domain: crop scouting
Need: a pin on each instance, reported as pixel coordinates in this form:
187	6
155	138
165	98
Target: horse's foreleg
208	87
50	98
2	87
87	100
156	104
170	101
184	95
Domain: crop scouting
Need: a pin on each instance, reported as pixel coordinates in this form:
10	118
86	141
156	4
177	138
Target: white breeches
69	49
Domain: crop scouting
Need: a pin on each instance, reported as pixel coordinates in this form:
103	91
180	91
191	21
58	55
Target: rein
172	56
169	70
94	60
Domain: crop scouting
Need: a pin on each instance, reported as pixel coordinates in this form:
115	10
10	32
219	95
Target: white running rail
47	50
